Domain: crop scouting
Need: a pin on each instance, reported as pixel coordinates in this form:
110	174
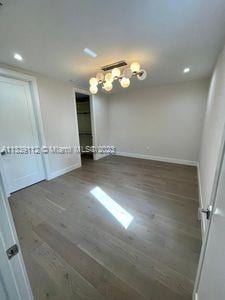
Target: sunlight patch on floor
121	215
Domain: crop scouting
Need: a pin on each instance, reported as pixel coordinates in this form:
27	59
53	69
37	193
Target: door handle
207	211
12	251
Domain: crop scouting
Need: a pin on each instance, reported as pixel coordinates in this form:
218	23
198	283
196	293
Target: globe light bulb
142	74
127	73
109	77
135	67
125	82
108	86
93	89
100	76
116	72
93	81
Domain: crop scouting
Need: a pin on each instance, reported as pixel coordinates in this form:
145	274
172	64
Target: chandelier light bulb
109	77
93	89
125	82
100	76
142	74
135	67
93	81
127	73
108	86
116	72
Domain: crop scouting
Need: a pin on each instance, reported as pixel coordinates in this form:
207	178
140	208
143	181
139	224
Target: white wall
167	119
213	130
60	128
100	113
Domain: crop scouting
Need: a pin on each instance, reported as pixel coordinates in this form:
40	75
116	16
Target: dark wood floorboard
74	248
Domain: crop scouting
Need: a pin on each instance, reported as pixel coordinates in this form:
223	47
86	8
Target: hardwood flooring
76	246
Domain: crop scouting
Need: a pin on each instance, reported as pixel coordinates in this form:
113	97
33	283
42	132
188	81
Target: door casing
37	110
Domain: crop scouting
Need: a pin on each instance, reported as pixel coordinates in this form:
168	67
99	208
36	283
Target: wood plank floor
74	247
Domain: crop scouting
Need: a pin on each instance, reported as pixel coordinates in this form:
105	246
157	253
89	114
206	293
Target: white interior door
6	276
14	284
18	128
210	283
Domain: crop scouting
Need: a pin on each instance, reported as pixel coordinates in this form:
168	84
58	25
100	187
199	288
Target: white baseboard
159	158
98	156
195	296
63	171
202	217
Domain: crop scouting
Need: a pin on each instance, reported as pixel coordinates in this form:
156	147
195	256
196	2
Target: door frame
31	80
93	122
221	157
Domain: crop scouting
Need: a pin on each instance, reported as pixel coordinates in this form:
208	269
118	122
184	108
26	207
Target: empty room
112	150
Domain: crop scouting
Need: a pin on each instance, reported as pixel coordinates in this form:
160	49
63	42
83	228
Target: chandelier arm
101	82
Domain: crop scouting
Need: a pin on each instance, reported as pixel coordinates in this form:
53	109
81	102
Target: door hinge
12	251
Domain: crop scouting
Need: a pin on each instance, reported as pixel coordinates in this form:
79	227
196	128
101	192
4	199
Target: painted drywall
162	122
213	131
100	115
60	127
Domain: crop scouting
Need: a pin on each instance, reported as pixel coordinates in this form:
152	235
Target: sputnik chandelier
124	76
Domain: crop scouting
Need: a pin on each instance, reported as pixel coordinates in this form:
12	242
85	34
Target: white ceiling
163	35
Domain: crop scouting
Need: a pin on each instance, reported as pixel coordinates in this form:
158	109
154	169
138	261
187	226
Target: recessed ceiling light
17	56
186	70
90	52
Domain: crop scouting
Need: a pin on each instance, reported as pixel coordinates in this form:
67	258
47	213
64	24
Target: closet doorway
84	119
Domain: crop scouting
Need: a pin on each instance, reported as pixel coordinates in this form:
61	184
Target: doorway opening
84	126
